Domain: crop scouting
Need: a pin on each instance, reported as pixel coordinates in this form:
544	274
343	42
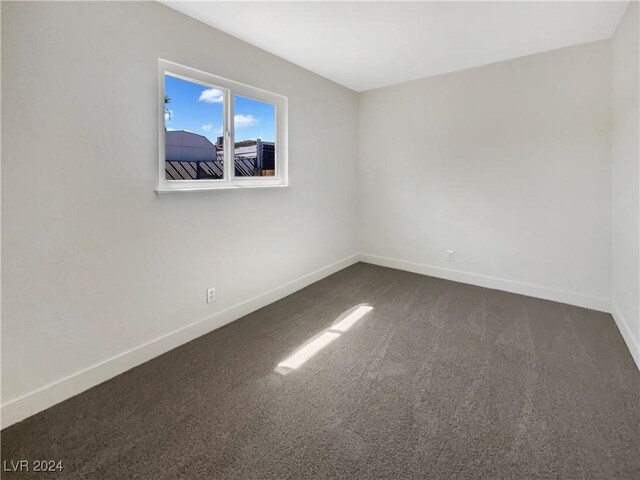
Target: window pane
255	135
193	123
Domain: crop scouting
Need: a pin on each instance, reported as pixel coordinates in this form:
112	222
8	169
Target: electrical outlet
211	295
451	256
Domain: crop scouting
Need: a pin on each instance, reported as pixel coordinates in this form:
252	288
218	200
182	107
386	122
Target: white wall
625	286
94	264
507	164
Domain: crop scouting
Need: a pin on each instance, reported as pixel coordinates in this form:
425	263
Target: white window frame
229	89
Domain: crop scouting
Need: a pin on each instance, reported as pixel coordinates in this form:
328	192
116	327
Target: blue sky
199	109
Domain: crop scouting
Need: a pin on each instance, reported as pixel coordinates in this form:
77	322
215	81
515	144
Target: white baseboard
623	326
593	303
22	407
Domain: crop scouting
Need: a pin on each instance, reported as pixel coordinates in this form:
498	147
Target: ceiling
366	45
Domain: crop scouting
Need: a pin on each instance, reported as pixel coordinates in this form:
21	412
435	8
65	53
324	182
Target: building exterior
190	156
261	153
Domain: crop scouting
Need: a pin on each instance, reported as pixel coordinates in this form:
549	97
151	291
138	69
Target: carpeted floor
440	380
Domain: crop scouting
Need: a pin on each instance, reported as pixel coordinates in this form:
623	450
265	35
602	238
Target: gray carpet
441	380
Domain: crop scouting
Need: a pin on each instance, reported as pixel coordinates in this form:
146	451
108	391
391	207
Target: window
217	133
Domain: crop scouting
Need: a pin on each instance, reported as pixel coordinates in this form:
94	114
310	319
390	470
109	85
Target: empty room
350	240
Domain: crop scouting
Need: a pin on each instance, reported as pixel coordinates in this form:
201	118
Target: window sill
163	191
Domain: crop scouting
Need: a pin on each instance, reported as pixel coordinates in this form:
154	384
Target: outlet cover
211	295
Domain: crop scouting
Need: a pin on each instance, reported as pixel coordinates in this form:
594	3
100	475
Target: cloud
168	115
242	121
211	95
207	127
